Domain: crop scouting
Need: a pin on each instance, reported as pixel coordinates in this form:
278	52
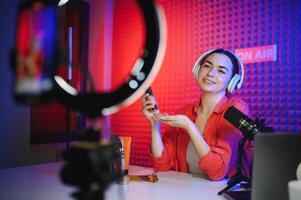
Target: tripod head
91	168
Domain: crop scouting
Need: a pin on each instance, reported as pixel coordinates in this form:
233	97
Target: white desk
42	182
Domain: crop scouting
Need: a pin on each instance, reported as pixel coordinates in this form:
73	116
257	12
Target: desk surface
42	182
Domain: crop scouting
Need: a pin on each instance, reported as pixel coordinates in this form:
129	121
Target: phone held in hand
150	92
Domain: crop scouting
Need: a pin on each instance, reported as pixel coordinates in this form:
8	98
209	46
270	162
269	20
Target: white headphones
235	82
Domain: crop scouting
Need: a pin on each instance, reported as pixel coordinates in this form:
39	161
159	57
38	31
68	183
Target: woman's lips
208	81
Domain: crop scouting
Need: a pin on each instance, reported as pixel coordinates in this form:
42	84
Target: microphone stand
249	128
238	177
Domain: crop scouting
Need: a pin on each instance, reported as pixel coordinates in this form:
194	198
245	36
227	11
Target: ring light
143	73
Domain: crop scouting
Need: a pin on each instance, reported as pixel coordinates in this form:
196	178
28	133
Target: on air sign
258	54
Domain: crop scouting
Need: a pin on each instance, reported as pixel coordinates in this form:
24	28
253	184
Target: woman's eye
222	71
206	66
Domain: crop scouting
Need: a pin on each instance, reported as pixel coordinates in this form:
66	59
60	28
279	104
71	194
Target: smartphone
36	49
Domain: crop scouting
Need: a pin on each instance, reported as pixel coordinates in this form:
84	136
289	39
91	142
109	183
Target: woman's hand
181	121
149	107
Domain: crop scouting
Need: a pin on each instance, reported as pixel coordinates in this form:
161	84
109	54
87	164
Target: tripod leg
231	184
234	181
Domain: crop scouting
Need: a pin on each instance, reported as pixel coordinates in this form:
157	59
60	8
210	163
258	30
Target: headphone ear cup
233	83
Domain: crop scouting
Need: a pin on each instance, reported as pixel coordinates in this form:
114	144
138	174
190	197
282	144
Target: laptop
276	158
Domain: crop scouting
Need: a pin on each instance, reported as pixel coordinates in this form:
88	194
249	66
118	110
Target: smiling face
215	73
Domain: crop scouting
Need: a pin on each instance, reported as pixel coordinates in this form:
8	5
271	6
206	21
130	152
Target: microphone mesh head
234	116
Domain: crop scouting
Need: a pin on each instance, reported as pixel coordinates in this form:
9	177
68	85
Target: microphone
242	122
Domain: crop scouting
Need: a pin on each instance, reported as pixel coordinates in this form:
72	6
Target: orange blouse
222	137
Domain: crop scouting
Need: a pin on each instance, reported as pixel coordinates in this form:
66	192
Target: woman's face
215	73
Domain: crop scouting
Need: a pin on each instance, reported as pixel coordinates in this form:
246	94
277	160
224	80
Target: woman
199	140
